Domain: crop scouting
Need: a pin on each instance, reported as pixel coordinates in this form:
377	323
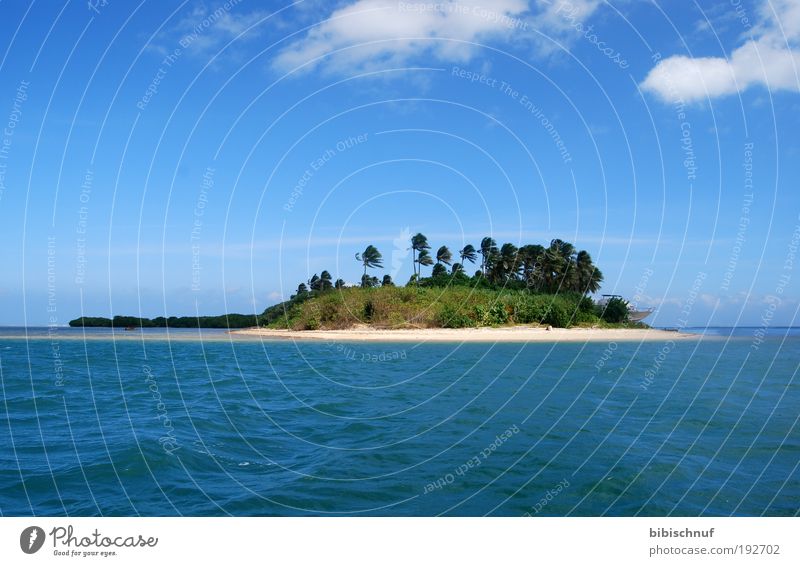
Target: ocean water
182	423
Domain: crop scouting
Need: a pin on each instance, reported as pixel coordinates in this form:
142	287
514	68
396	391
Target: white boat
634	314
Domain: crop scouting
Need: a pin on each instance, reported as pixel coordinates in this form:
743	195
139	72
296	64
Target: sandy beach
501	334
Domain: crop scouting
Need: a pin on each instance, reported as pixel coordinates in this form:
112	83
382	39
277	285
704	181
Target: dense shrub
369	311
586	306
558	316
536	307
328	312
451	307
615	311
491	315
453	317
498	314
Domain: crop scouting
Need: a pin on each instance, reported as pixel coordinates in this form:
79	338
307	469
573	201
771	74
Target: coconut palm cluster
558	267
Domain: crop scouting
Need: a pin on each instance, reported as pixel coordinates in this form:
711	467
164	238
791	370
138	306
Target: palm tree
507	266
569	274
566	249
550	269
588	277
444	256
370	257
468	253
488	252
369	281
419	243
325	281
552	266
530	259
558	266
424	258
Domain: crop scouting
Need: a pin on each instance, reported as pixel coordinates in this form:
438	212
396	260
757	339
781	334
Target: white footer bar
401	541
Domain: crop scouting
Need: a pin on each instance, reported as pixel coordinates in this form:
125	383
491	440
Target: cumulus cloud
770	58
374	33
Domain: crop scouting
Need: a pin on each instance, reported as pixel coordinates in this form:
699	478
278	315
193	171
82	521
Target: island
526	293
222	321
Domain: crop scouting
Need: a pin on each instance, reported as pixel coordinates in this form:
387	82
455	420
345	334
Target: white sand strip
502	334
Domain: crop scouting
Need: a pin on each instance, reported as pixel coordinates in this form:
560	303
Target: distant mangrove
221	321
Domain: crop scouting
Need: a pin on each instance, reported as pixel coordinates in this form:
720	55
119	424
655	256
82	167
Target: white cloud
770	57
203	30
376	33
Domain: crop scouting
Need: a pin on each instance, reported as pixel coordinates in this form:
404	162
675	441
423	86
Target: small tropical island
531	284
514	292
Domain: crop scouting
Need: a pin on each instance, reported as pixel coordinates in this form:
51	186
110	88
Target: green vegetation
394	307
222	321
557	268
531	284
430	307
615	311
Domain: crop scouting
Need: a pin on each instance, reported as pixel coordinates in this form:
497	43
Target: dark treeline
222	321
558	267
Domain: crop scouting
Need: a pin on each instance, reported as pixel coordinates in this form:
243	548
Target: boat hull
638	316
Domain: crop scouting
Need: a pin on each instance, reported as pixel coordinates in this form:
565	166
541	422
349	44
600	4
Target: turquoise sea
178	423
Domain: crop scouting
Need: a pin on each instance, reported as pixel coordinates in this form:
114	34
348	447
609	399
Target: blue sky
152	153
